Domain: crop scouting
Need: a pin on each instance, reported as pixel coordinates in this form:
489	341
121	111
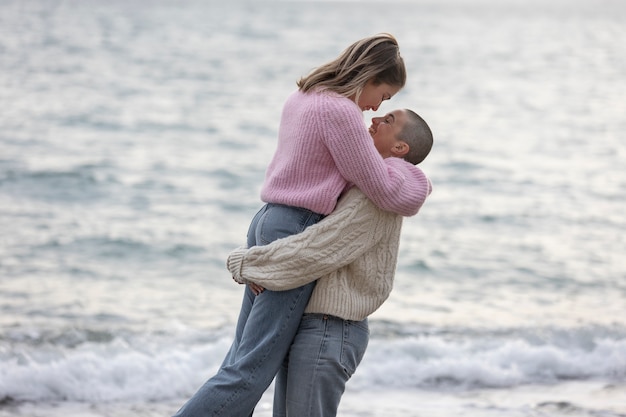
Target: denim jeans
265	329
322	358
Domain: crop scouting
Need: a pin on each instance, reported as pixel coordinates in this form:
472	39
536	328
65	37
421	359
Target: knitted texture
323	145
234	262
352	253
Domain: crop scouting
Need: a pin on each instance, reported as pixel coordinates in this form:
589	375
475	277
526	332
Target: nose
376	120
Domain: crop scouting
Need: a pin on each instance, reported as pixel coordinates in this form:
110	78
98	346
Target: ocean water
134	137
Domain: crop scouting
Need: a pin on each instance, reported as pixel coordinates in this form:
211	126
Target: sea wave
62	367
437	363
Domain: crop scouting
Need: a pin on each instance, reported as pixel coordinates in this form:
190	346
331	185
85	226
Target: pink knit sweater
323	145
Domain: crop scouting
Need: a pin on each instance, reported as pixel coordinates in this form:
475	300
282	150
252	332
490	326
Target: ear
400	149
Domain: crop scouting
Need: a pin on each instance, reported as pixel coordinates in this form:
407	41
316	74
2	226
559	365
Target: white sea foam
145	370
434	362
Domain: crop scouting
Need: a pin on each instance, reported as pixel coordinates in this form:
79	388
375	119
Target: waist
317	195
314	216
323	316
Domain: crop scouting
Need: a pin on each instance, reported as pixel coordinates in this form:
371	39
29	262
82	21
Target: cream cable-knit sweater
352	253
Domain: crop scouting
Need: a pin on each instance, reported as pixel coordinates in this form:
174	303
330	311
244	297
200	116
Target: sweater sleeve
392	184
336	241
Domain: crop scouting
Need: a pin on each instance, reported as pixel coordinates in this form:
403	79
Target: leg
323	357
237	387
244	312
263	335
279	408
248	295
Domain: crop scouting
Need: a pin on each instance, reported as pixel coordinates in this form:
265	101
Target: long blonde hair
375	58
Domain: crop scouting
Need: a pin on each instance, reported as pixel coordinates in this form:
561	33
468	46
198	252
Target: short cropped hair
417	134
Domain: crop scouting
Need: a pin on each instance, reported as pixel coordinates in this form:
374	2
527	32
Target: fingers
256	289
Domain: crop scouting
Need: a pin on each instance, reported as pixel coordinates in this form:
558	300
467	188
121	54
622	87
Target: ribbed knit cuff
234	263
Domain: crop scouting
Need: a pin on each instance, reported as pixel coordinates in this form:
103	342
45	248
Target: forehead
391	90
382	88
399	116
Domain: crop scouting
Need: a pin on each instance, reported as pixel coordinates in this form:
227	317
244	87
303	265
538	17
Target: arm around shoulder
414	189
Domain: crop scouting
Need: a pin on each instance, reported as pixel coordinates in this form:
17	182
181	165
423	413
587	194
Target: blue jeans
322	358
266	327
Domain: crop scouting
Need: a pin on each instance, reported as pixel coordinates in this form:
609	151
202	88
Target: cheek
364	97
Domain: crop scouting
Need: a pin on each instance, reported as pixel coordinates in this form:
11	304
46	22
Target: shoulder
352	208
337	101
351	198
401	164
408	170
355	204
332	105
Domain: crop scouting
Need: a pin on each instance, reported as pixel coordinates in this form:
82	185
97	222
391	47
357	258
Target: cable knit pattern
323	145
352	253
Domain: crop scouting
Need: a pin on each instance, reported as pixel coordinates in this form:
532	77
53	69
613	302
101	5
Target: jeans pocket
355	339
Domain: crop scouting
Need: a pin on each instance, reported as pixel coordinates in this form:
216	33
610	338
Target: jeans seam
326	323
